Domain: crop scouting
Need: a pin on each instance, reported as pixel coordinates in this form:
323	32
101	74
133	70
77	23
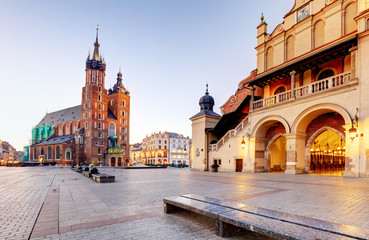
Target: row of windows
49	155
318	32
112	102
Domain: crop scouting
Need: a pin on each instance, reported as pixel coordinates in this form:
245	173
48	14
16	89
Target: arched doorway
119	162
276	153
270	144
112	162
327	152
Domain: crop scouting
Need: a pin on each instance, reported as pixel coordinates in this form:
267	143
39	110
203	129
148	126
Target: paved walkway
57	203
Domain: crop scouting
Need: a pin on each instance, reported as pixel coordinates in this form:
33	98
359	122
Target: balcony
327	84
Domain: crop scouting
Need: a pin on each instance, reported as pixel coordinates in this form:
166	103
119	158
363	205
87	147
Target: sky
168	51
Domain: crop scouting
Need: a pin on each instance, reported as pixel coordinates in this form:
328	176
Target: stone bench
232	217
86	174
103	178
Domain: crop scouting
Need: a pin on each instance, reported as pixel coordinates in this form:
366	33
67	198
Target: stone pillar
353	52
293	78
295	153
352	160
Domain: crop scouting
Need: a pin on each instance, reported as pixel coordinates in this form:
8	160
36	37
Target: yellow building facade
311	110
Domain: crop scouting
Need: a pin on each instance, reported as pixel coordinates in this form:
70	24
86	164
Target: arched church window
124	103
99	116
325	74
112	129
99	106
49	153
68	155
93	76
99	97
42	151
57	154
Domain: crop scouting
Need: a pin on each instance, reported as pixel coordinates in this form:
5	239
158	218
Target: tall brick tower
94	107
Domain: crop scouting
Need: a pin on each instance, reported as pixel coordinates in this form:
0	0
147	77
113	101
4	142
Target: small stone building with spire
85	133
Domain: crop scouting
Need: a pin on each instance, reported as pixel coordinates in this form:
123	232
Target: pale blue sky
168	51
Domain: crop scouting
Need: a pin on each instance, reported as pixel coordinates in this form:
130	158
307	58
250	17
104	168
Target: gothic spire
96	54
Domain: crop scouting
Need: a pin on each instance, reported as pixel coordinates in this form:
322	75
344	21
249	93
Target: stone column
293	77
295	153
353	52
252	99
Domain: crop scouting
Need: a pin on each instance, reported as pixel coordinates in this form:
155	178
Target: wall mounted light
354	126
243	143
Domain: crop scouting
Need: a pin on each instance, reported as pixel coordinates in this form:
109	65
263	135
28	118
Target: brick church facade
85	133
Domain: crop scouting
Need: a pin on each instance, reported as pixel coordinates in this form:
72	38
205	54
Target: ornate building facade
306	108
84	133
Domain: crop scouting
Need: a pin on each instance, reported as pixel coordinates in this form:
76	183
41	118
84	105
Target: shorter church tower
205	119
118	118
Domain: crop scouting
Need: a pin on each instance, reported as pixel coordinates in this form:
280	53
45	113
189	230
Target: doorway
239	164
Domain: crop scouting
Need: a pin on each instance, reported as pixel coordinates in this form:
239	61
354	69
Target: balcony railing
230	134
308	90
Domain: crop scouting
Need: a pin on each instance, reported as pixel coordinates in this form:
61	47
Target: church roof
64	115
56	140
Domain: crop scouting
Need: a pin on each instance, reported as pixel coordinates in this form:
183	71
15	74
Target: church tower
94	107
201	122
119	116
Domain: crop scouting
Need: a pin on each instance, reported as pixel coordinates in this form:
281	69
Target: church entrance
327	154
112	162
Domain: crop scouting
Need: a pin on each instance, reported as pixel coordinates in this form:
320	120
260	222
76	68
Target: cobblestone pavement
57	203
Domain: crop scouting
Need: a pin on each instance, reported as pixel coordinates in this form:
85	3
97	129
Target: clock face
303	13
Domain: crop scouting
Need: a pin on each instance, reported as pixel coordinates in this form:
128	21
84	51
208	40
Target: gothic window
111	129
42	151
99	97
49	153
100	79
86	98
123	113
99	106
124	103
93	76
99	125
57	154
99	116
98	151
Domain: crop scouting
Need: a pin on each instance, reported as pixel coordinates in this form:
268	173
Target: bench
86	174
232	217
103	178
